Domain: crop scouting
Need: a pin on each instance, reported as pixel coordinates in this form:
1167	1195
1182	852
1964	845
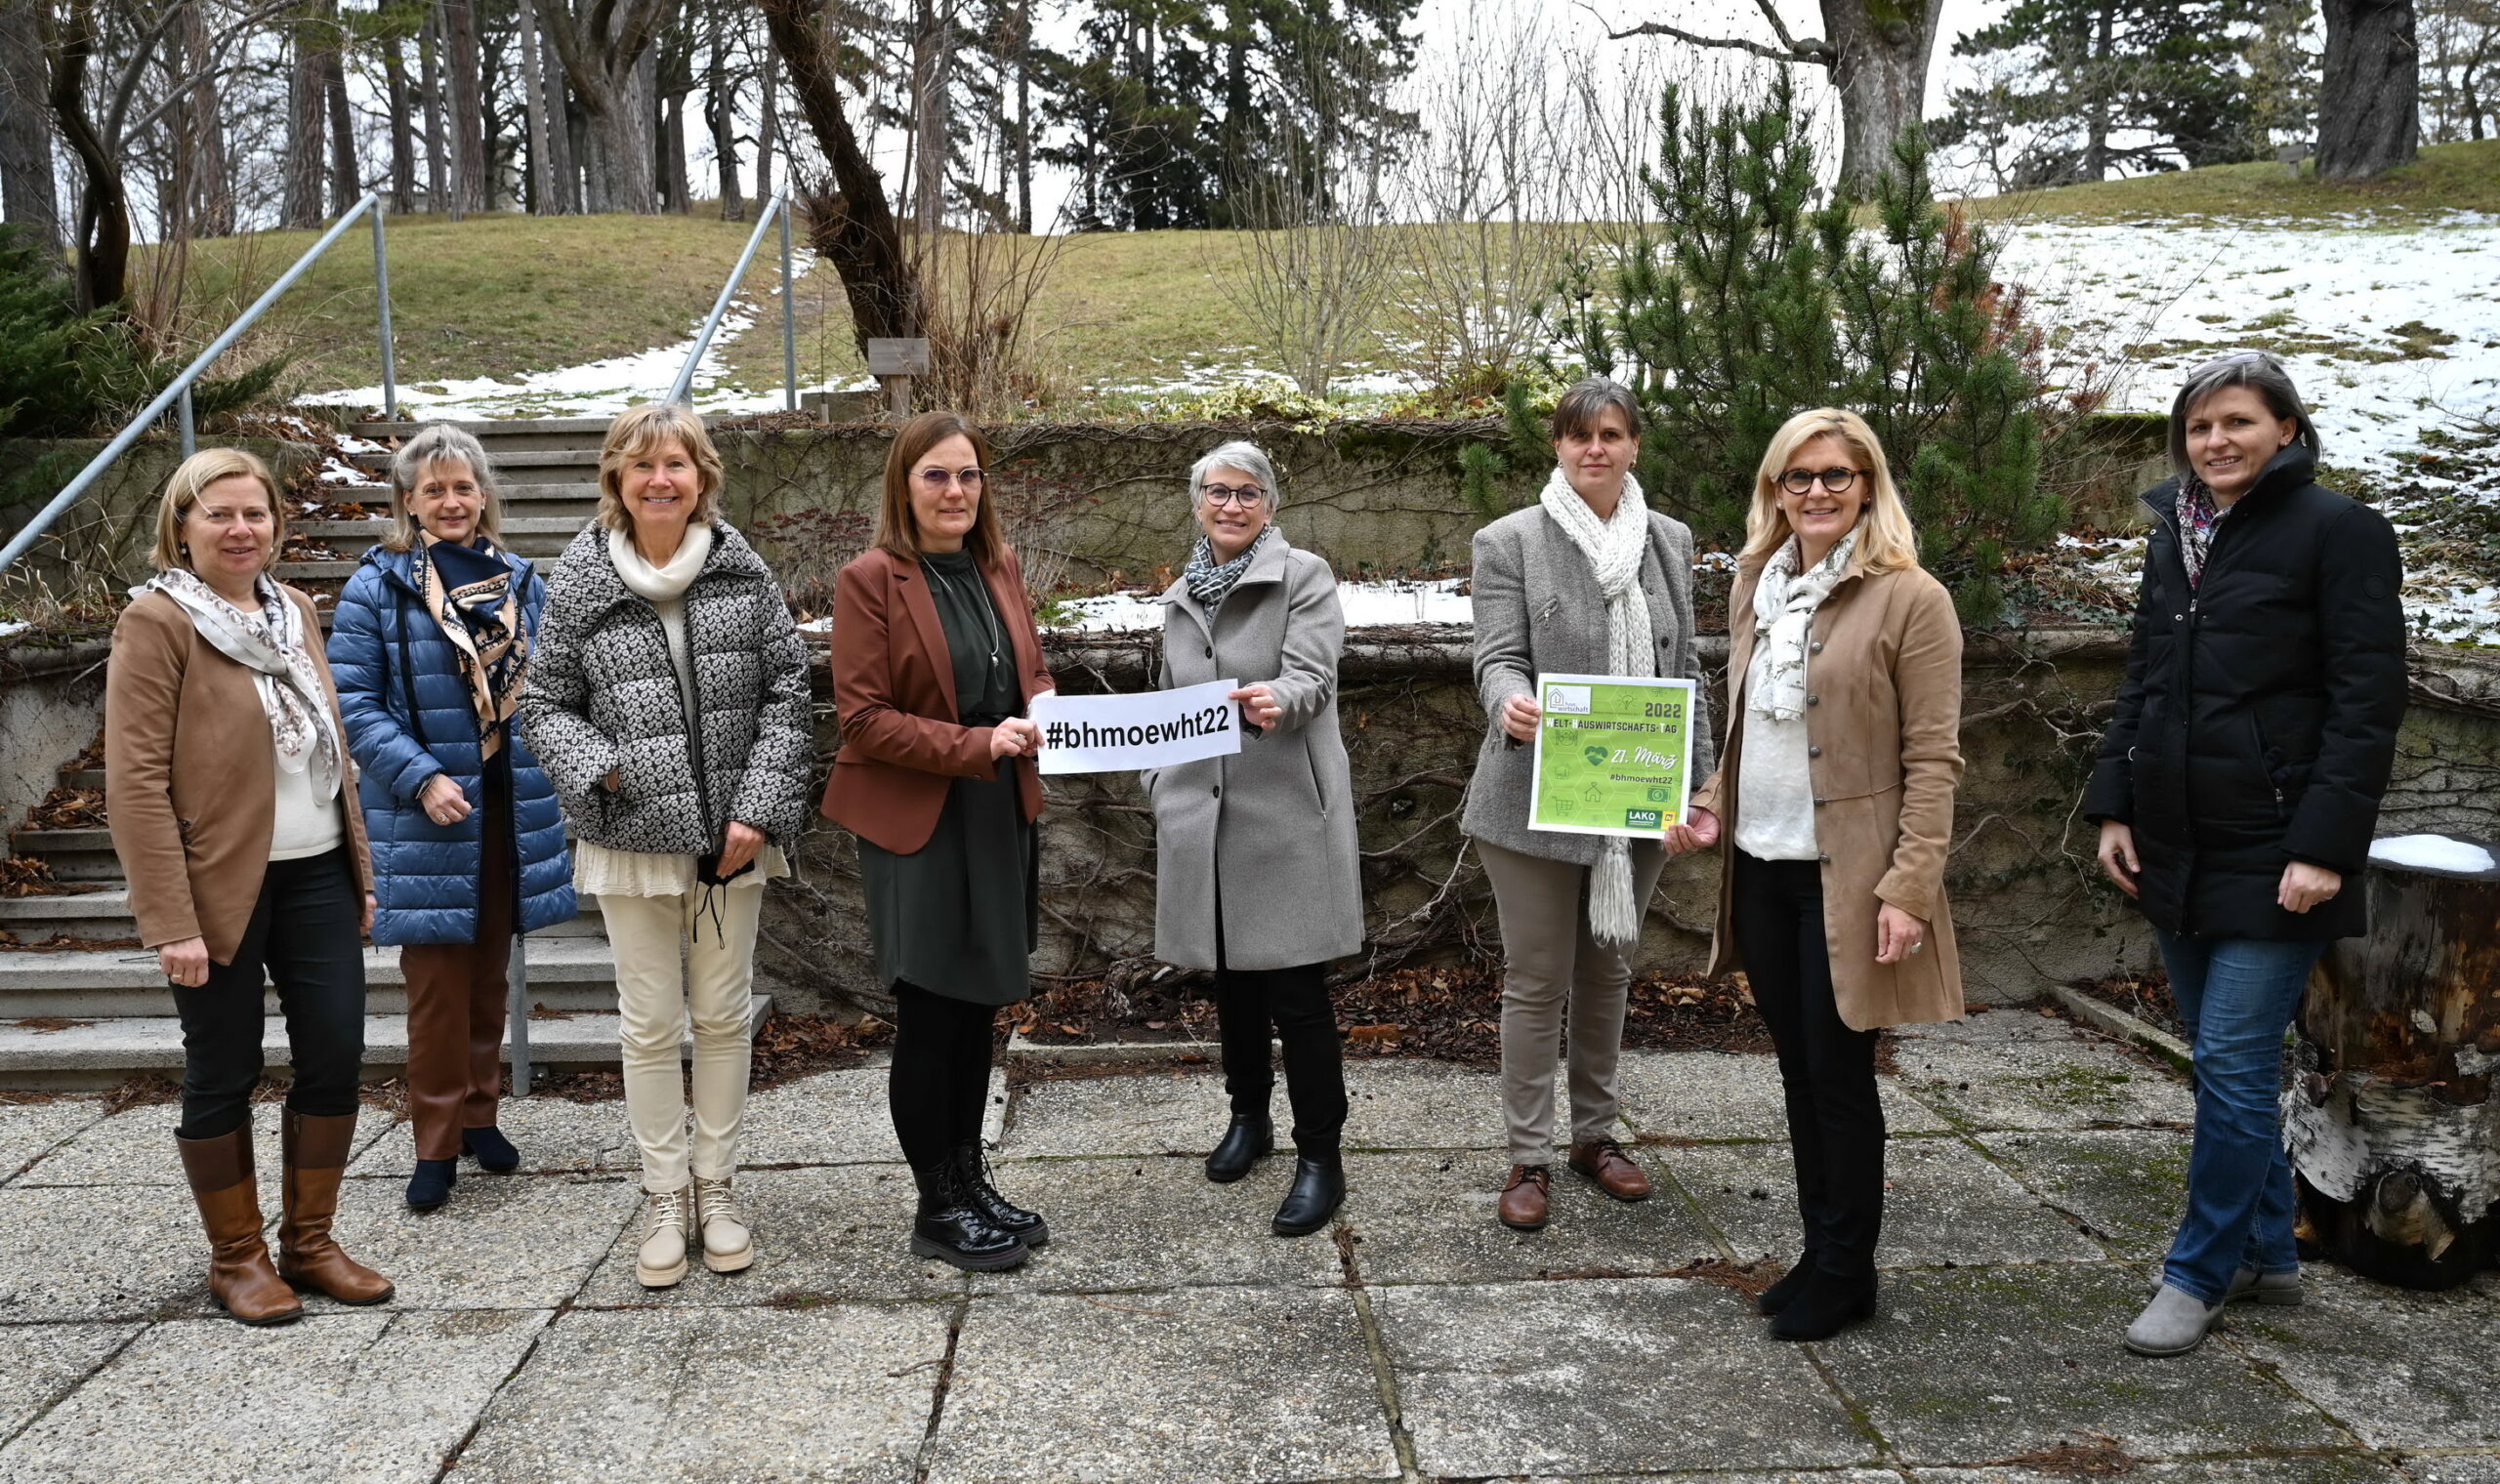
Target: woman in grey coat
1588	581
668	704
1256	864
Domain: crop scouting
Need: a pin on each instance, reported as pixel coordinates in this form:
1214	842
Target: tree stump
2389	1119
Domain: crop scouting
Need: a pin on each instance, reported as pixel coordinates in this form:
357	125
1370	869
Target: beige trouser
662	973
1550	956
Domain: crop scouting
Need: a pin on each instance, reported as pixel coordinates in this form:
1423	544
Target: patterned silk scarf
270	642
471	594
1210	580
2198	515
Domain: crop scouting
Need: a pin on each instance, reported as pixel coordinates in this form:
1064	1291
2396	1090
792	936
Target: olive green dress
960	916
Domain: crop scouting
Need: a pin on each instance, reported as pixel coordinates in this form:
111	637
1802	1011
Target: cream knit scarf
1613	548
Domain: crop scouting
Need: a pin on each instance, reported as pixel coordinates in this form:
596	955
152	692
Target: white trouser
652	936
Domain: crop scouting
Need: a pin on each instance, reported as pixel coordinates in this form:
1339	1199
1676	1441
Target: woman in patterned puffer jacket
663	613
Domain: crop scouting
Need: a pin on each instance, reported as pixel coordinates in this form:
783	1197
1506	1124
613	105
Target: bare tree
314	32
1876	53
602	46
850	223
1313	270
2462	67
2369	91
720	115
29	195
402	129
472	185
438	195
767	120
345	186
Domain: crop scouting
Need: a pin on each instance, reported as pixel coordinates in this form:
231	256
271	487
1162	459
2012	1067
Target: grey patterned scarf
1210	580
268	643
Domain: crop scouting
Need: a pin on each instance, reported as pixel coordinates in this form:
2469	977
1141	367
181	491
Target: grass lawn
2447	178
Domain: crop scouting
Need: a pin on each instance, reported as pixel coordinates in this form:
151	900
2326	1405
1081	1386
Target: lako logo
1641	820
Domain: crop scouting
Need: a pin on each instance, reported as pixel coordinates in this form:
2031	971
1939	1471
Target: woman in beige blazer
231	794
1835	790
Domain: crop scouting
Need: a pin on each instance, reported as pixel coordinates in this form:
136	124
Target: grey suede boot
2174	1323
2265	1288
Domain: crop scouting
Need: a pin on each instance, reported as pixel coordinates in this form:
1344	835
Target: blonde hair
190	480
639	431
1885	540
440	444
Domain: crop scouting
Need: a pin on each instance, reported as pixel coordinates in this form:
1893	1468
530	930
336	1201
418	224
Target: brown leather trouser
456	999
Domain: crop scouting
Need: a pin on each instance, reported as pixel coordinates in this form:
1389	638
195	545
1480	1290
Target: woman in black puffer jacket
2239	788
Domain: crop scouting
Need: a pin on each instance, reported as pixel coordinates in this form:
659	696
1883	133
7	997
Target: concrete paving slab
1944	1204
1196	1387
820	1234
1987	1364
1611	1376
2466	1468
2081	1081
2402	1369
366	1397
1158	1223
2004	1025
2336	1468
54	1267
136	1147
1428	1218
2129	1185
833	1118
30	1130
840	1392
40	1363
503	1242
1432	1105
1725	1094
1155	1112
552	1133
1776	1476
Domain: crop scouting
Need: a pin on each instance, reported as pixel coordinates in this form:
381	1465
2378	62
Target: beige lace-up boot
729	1244
660	1262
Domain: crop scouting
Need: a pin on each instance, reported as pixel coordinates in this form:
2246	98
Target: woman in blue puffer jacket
431	645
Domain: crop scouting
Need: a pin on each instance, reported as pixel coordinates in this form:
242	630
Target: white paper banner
1116	733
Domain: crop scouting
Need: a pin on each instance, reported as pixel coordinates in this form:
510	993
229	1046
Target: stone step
82	777
518	531
342	569
84	983
80	855
99	1050
510	435
523	466
105	916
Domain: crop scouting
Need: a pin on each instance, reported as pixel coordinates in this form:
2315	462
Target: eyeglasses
1836	479
1245	496
937	480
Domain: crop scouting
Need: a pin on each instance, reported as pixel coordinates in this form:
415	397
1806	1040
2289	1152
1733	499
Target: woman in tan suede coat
1835	794
231	794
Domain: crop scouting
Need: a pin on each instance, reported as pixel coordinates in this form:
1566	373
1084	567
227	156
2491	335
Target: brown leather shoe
317	1156
1604	1161
1524	1197
239	1276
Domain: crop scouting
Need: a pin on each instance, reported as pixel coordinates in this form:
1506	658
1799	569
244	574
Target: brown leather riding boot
239	1276
1524	1197
317	1156
1604	1161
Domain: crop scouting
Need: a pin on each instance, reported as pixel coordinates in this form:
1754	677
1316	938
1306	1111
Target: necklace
979	600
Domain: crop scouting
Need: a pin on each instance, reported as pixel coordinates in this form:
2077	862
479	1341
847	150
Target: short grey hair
1239	455
2260	373
437	443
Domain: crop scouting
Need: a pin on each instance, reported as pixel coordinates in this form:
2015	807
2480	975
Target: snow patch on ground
2432	852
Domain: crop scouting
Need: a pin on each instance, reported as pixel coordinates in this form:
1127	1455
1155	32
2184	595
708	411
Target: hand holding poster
1114	734
1612	756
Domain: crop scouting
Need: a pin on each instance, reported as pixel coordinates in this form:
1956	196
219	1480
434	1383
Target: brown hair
897	530
1583	407
638	430
190	480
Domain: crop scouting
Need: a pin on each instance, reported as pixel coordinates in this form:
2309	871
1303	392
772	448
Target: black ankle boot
971	1176
1247	1140
492	1151
1318	1189
949	1227
1827	1306
1784	1293
432	1184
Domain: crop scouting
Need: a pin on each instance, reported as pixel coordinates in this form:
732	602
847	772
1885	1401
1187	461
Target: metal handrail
680	389
179	389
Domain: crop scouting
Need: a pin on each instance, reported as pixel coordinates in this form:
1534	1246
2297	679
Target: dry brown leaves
789	1047
68	808
25	876
2145	996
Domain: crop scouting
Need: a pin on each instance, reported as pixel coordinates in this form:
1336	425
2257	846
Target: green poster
1612	756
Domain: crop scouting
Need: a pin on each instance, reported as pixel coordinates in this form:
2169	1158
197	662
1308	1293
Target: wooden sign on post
894	363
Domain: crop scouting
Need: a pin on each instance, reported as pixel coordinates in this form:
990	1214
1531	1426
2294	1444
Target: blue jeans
2238	996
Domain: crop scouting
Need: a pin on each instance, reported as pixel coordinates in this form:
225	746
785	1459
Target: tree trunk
1025	117
103	237
211	204
430	82
304	107
472	186
2369	91
850	223
1883	47
346	187
931	147
610	81
2097	79
542	179
29	195
2392	1127
675	183
404	128
564	136
767	125
720	113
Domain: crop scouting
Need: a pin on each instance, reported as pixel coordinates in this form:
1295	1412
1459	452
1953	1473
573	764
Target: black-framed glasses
1836	478
937	480
1245	496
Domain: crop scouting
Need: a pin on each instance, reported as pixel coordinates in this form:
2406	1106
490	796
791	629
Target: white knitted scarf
1613	548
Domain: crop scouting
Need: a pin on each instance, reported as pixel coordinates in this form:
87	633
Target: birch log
2390	1123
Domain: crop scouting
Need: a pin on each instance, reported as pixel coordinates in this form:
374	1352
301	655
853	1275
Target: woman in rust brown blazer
231	794
1835	786
936	664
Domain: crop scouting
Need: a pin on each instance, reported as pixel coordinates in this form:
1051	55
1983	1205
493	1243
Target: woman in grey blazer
1256	864
1588	581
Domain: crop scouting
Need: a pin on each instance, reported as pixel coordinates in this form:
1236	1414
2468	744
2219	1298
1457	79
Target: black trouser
304	936
1247	1001
1835	1118
938	1086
